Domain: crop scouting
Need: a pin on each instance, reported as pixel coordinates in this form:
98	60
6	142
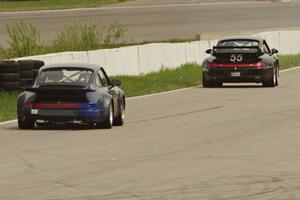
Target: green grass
52	4
289	61
25	40
166	79
8	105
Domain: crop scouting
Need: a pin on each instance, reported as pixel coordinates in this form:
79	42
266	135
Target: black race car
69	93
240	60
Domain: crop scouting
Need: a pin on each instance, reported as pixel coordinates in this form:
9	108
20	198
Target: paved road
173	19
230	143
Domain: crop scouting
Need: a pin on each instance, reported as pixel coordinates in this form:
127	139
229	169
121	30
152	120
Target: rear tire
273	81
119	120
277	76
206	83
211	84
108	122
25	123
219	84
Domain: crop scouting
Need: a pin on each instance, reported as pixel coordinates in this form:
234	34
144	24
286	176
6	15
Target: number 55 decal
236	58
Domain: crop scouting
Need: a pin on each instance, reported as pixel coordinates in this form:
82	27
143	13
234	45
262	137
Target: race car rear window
238	43
68	75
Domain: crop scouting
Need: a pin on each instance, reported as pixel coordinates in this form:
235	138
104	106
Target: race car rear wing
55	90
235	49
58	94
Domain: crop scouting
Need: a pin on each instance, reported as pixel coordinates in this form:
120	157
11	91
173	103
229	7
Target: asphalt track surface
166	19
236	142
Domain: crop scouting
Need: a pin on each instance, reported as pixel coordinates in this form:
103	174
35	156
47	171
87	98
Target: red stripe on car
238	65
56	106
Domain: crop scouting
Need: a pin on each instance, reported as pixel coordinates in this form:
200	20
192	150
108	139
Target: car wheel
277	76
219	84
25	123
206	83
272	81
108	122
119	120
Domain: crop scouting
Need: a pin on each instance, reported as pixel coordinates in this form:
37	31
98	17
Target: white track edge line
8	122
161	93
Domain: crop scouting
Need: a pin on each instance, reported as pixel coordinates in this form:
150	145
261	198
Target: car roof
259	39
93	67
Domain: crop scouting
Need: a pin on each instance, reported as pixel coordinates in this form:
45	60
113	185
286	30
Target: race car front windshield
68	75
238	43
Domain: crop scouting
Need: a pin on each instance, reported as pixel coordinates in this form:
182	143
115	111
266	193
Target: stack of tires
9	75
15	75
28	72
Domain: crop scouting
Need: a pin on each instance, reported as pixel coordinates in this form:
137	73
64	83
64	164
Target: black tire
272	81
205	82
4	77
219	84
108	122
26	74
12	67
277	77
9	85
38	64
26	82
210	84
25	123
26	65
8	62
119	120
35	73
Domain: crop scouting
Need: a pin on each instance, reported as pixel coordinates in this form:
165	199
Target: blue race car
72	93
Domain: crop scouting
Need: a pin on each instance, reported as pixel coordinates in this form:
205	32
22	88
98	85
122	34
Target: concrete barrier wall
135	60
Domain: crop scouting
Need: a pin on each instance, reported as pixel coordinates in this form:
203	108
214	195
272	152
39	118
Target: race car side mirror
274	51
208	51
116	82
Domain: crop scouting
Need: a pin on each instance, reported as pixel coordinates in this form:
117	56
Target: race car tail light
56	106
238	65
28	105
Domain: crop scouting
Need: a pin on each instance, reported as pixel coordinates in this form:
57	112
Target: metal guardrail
16	75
